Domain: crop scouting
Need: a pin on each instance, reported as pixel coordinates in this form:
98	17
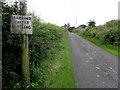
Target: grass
61	73
56	71
110	48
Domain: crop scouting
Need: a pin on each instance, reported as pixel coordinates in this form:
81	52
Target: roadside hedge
42	45
107	33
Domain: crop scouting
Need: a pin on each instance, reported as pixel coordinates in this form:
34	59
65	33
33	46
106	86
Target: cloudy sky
60	12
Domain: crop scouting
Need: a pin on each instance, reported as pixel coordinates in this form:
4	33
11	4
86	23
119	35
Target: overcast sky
60	12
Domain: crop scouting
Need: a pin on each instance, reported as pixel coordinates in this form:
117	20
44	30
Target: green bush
42	46
111	37
108	33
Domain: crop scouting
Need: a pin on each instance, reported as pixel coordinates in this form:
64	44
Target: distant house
82	26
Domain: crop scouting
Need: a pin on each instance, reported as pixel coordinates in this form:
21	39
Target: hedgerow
42	45
108	33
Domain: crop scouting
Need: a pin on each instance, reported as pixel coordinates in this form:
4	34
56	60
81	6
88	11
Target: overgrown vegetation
61	74
45	51
110	48
107	34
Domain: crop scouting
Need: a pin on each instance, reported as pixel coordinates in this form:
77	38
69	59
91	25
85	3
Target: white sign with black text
21	24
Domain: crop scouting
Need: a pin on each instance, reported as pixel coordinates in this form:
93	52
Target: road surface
93	66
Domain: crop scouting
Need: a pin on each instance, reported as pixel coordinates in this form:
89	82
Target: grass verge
61	73
110	48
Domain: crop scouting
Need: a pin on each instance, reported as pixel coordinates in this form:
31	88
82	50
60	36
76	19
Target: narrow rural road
93	66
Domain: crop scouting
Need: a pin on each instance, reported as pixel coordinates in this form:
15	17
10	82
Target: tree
71	28
91	23
68	25
65	25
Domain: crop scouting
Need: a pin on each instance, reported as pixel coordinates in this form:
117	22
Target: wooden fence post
25	50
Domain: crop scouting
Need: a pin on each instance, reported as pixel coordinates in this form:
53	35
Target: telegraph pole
25	49
76	22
